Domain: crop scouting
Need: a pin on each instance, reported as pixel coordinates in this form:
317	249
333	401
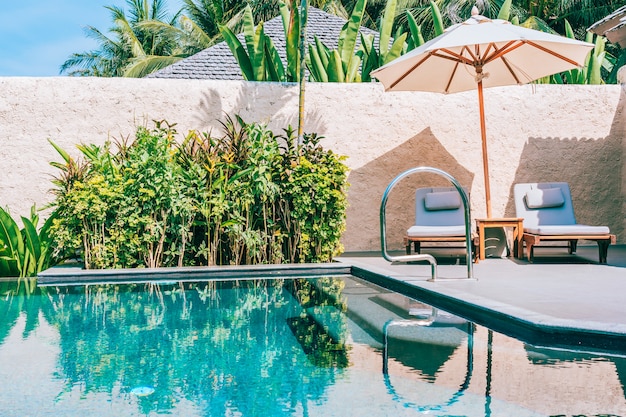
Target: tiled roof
218	62
613	27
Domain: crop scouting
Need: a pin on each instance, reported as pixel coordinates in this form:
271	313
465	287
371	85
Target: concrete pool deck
567	298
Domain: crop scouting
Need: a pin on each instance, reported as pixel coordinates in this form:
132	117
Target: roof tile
218	63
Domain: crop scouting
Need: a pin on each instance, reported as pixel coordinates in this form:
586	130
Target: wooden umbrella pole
483	135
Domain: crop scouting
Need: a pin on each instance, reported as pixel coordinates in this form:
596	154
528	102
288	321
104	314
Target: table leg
481	241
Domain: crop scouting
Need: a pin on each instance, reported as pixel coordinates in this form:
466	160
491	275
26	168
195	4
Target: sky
38	36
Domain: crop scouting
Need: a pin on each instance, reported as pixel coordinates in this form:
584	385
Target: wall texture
535	133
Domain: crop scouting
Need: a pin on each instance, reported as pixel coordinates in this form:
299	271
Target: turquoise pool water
332	346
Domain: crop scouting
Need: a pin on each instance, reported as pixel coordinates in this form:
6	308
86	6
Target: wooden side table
516	223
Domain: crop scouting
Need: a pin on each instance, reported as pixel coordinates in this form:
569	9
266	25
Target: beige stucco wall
535	133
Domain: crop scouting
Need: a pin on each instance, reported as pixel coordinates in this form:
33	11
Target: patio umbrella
482	52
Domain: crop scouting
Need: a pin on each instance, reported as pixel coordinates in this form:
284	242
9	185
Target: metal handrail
426	257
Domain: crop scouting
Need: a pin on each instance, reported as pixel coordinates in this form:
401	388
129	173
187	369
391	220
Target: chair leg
572	246
603	248
474	246
530	241
417	246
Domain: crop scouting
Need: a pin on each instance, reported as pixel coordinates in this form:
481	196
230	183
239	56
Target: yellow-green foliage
238	199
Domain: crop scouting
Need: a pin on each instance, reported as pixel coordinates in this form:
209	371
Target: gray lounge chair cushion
552	218
441	217
436	231
444	200
576	229
534	217
544	198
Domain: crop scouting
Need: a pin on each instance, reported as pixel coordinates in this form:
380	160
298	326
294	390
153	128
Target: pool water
332	346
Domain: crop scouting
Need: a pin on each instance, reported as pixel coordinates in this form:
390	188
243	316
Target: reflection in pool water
306	347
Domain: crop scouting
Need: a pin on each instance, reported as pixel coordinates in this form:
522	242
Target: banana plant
253	59
372	58
341	64
292	24
505	10
11	246
24	252
415	30
259	60
591	73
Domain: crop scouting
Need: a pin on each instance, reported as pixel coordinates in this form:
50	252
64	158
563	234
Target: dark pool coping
538	332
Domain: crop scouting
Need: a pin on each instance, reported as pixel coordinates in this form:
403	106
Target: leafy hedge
248	197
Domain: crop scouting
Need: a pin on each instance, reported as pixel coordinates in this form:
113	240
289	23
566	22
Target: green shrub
239	199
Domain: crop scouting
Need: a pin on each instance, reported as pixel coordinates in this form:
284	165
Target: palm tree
208	15
549	15
139	43
579	13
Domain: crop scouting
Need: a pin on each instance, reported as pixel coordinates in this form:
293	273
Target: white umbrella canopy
482	52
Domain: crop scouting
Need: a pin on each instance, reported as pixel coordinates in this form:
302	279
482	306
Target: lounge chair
439	217
548	215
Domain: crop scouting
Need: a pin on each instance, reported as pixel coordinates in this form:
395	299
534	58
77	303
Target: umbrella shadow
593	167
368	183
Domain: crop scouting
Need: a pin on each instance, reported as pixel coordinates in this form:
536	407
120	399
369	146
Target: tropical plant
238	199
126	209
591	73
209	15
373	58
253	60
142	41
259	60
24	251
314	201
341	64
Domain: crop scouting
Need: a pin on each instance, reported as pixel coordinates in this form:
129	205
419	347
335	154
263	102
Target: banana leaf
291	23
275	67
505	10
437	19
11	235
316	66
239	52
416	39
396	49
32	254
335	68
386	26
349	33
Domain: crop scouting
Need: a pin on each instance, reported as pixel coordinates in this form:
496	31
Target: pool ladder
426	257
427	321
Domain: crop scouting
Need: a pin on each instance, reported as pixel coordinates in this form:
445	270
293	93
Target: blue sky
37	36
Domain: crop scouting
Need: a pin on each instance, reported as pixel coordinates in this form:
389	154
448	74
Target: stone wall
535	133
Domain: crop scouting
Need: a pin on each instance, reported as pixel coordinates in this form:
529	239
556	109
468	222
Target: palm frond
142	66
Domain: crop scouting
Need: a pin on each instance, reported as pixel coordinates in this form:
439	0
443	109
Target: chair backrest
438	206
547	203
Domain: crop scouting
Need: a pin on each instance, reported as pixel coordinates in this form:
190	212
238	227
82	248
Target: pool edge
78	276
530	331
536	333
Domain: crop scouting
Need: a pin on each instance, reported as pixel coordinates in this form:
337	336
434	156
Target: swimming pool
324	346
